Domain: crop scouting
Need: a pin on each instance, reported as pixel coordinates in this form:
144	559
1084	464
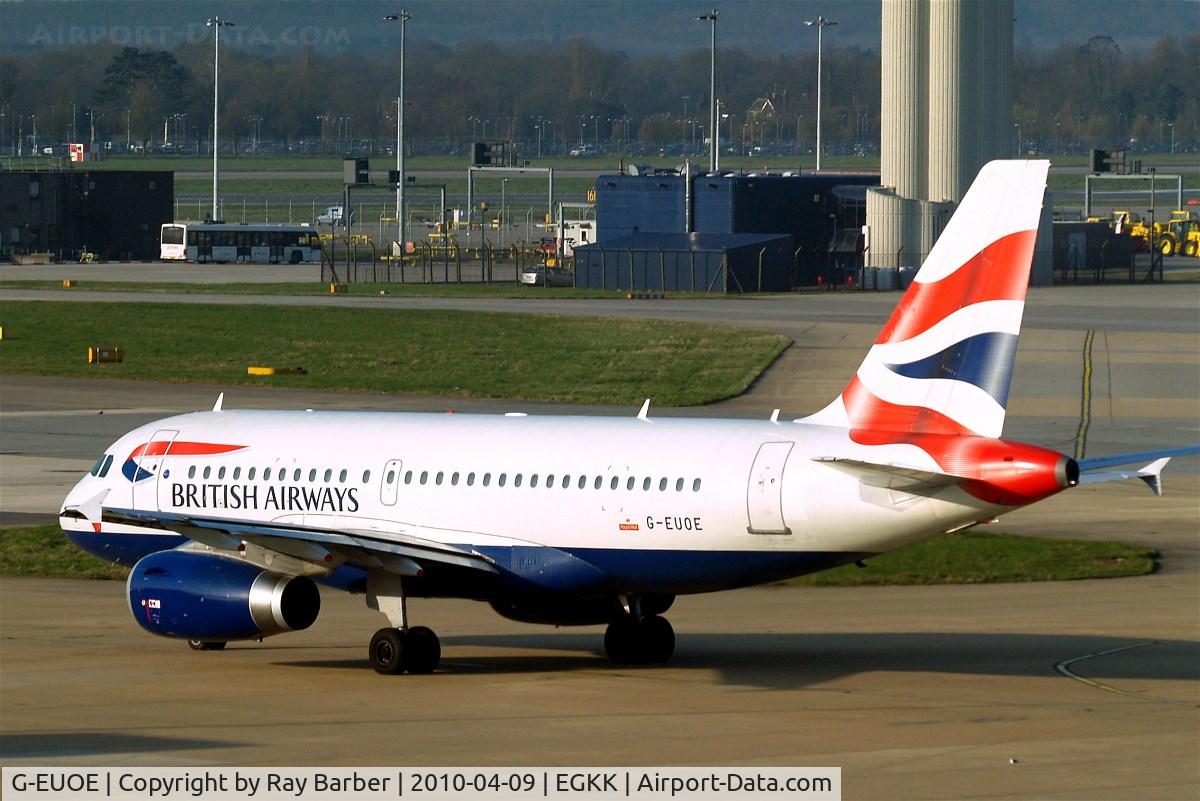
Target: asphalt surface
1058	690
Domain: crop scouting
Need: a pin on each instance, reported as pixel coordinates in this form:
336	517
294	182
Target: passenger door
764	490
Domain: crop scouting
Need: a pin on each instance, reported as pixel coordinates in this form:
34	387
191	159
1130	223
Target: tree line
554	97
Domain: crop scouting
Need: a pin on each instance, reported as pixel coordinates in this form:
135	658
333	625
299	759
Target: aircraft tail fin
943	361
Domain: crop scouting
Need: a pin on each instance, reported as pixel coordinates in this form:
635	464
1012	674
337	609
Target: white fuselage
590	486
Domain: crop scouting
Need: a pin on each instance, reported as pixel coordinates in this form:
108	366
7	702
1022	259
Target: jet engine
208	598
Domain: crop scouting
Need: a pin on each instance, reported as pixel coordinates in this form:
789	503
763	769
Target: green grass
978	558
426	352
971	558
46	552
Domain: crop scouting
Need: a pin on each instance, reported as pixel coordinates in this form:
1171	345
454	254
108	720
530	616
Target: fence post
760	258
662	271
632	282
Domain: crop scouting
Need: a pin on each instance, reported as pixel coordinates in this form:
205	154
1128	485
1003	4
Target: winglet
642	415
220	401
1152	474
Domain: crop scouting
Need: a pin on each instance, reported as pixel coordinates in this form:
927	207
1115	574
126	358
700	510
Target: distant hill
638	27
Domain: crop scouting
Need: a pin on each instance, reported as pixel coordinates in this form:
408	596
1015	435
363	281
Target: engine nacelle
202	597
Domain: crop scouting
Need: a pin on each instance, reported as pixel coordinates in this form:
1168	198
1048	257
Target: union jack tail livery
942	363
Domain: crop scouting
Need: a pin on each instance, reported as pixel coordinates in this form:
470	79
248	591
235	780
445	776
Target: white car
332	215
539	276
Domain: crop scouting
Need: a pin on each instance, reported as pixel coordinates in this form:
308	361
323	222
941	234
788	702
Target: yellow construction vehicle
1178	234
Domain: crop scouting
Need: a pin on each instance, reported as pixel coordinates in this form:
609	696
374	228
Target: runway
1065	690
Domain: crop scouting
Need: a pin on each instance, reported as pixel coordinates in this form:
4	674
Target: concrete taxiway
1066	690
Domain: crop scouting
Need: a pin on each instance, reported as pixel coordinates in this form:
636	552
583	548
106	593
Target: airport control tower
947	110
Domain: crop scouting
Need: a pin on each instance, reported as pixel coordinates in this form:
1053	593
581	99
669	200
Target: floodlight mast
711	18
819	23
403	17
216	23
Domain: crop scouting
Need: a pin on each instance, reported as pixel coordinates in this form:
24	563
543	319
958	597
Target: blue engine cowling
201	597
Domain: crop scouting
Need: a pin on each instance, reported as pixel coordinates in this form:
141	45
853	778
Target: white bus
232	242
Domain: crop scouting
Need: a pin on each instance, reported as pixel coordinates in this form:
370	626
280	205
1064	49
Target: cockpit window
100	468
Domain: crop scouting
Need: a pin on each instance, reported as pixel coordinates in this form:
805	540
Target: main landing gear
641	636
399	649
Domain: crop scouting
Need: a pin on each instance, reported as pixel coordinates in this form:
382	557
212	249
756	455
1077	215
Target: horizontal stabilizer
889	476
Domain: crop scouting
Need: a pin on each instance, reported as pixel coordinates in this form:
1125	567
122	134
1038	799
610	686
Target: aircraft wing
1094	471
306	550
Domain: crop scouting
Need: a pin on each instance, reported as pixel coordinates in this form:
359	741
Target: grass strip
45	551
426	352
975	557
971	558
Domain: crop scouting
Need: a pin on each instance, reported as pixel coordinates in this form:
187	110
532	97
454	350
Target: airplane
229	518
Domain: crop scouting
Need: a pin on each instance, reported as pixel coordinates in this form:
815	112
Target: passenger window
696	485
237	473
391	477
550	480
192	471
613	484
424	477
517	480
533	480
500	481
267	474
296	475
438	479
328	474
408	477
629	482
487	479
454	479
599	481
366	476
312	474
646	484
221	473
251	473
679	485
470	479
566	481
662	484
207	472
342	477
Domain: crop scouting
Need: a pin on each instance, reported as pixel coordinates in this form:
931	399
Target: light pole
1171	125
819	23
403	17
717	141
711	18
216	23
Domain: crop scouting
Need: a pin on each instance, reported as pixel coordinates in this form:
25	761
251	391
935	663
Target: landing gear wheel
206	645
422	650
658	639
387	651
631	642
620	641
